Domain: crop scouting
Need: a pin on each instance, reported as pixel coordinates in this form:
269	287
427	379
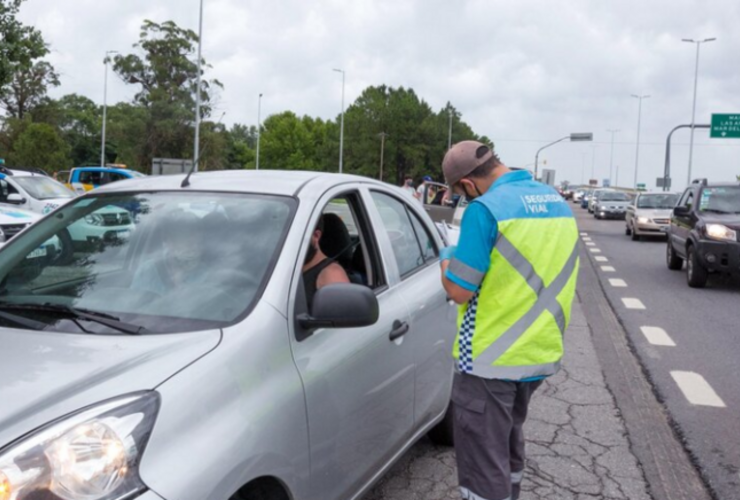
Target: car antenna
186	180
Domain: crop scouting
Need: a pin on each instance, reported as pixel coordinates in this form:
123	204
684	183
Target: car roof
277	182
721	184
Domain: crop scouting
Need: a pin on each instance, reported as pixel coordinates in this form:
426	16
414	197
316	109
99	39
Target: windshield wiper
24	322
82	314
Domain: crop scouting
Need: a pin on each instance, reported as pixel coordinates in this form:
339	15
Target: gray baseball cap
463	158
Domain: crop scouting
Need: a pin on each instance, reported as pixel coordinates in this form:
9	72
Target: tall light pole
611	155
196	150
105	105
593	162
583	168
639	120
382	135
341	131
616	182
575	137
693	110
449	133
259	130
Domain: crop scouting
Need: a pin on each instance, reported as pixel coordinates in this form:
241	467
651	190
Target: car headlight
720	232
91	455
643	220
94	219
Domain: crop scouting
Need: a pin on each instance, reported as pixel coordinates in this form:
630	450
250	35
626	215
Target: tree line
57	134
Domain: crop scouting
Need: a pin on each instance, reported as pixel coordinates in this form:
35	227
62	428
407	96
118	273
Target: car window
168	262
609	196
428	246
5	190
91	177
409	252
657	201
115	176
688	200
724	200
44	188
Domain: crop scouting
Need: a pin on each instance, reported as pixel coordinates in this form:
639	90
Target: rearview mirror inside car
343	305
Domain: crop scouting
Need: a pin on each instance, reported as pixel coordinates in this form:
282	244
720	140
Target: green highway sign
725	126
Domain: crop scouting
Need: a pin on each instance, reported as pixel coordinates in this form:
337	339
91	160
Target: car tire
675	263
635	236
627	230
696	274
442	434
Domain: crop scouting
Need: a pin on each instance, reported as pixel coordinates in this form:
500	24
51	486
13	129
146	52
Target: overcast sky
523	72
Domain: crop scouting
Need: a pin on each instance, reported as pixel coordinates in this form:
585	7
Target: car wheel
635	236
627	230
696	274
675	263
442	434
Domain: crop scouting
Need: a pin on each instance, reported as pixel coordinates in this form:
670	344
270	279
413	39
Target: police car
32	190
13	221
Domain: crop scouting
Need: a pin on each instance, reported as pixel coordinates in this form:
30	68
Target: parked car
612	205
84	179
13	221
184	358
704	230
650	214
32	190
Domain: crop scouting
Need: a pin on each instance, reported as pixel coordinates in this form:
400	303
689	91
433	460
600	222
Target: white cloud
522	72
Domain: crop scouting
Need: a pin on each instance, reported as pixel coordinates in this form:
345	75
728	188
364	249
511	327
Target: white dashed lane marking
608	269
657	336
584	234
595	250
599	258
617	283
586	238
590	244
697	390
631	303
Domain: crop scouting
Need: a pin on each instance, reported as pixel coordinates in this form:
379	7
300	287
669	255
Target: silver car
650	215
181	361
612	205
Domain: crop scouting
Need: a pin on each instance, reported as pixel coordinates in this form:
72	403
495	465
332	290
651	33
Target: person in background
514	275
422	188
408	185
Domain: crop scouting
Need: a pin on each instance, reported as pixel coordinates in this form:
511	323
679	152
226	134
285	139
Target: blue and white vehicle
13	221
32	190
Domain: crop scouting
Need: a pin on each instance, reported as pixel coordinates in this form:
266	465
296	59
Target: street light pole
449	133
382	135
583	168
196	150
639	122
341	131
693	110
593	162
259	130
105	105
611	155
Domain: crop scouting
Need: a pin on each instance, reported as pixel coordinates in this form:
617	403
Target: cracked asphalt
577	445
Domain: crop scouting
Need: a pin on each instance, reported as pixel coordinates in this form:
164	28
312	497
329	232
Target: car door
432	328
681	224
359	383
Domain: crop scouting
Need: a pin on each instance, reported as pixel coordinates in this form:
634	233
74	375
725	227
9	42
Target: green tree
27	88
167	75
39	145
20	45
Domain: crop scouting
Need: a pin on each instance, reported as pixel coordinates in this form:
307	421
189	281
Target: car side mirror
16	199
681	211
343	305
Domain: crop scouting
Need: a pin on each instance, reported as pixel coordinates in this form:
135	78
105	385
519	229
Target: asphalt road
687	340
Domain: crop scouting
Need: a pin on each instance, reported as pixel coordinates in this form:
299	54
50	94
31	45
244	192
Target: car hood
730	220
44	375
654	213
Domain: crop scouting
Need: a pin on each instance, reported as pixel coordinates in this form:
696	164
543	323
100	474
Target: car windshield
44	188
657	201
722	200
165	262
616	196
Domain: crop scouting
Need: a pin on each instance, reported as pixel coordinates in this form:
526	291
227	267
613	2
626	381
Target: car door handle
399	330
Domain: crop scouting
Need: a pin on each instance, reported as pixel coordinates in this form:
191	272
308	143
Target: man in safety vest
514	275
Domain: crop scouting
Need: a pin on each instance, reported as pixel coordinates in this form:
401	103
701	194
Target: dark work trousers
489	439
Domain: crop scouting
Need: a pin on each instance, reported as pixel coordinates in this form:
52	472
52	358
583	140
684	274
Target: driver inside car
181	259
318	269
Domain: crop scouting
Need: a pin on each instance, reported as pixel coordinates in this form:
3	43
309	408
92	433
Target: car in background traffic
612	205
705	232
586	198
185	358
594	198
84	179
32	190
650	214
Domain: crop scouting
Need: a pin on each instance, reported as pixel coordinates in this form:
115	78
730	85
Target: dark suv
704	231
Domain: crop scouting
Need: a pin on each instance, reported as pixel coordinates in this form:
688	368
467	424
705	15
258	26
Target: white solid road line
608	269
595	250
617	283
599	258
697	390
657	336
631	303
